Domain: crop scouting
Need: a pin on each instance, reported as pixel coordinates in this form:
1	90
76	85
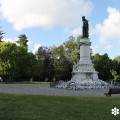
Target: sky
51	22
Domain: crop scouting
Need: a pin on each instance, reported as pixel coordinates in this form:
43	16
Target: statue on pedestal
85	28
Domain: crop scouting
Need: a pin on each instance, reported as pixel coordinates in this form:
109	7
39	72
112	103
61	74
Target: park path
44	89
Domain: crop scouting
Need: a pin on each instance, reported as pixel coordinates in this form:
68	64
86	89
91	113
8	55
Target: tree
117	59
1	35
60	63
79	38
28	66
46	61
7	60
43	52
115	75
72	49
23	40
116	64
64	56
38	73
16	63
103	64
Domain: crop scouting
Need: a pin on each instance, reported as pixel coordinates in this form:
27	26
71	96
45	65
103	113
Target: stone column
85	51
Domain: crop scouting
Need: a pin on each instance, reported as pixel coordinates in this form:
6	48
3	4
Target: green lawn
24	82
35	107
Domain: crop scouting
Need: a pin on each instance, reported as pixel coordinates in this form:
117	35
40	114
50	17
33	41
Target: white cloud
36	48
110	28
109	46
13	40
95	49
77	31
45	13
29	43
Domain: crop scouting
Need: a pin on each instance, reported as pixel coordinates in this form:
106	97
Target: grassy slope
35	107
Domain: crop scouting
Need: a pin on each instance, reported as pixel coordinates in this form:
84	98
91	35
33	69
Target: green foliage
23	40
45	60
57	61
49	63
72	49
116	64
15	62
43	52
115	75
117	59
62	69
1	35
79	38
103	64
7	59
63	58
36	107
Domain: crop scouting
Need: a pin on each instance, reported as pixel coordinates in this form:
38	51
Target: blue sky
51	22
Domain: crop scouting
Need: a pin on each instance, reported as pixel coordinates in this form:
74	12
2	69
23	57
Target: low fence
72	85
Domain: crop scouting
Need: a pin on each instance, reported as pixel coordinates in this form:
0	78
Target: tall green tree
28	66
61	63
46	62
117	59
72	49
43	52
1	35
64	56
103	64
116	64
115	75
38	73
16	63
7	60
23	40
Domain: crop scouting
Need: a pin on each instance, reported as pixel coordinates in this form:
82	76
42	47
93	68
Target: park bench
113	91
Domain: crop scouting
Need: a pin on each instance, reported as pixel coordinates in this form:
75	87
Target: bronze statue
85	28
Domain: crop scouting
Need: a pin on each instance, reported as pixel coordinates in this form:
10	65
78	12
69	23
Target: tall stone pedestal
84	74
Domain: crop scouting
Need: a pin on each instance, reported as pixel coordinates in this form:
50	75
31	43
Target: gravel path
41	89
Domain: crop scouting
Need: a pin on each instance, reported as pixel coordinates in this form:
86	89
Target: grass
40	82
36	107
24	82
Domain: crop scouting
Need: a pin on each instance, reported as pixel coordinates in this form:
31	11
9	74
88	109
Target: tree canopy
22	40
1	34
50	63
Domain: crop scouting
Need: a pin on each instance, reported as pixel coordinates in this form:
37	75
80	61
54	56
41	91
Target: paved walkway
41	89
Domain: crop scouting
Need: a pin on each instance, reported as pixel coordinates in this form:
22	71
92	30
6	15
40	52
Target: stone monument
84	75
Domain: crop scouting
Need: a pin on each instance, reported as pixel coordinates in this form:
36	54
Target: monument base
84	80
87	84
